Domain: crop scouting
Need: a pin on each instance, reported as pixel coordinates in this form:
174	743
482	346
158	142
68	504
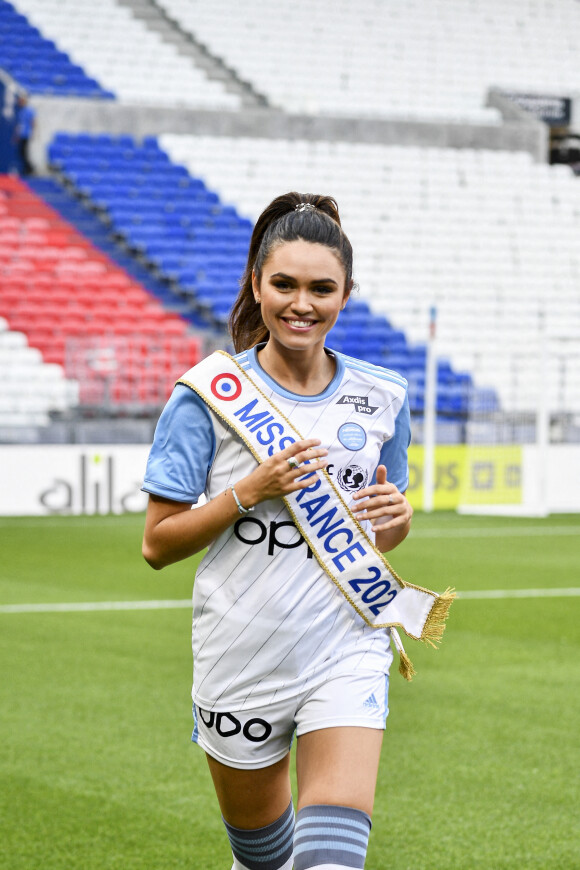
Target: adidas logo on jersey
371	703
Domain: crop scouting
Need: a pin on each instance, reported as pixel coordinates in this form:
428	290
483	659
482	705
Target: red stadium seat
173	328
81	311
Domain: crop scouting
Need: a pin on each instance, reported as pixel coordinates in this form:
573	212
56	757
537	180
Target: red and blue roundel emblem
226	387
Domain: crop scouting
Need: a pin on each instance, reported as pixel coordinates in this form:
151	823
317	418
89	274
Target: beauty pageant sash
340	545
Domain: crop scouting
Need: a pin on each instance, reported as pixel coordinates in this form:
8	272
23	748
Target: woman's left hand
383	505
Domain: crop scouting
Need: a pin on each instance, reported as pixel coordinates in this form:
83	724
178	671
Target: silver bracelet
241	508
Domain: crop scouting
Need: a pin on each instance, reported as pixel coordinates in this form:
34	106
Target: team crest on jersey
352	478
360	404
226	387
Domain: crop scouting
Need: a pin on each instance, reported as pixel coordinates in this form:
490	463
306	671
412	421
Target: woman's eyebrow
315	281
282	275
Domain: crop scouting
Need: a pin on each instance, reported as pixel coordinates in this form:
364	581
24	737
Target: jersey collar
252	356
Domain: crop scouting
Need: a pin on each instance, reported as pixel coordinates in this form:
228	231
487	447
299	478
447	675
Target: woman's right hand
283	473
173	531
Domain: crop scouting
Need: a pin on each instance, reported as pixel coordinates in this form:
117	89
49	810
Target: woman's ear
346	295
255	287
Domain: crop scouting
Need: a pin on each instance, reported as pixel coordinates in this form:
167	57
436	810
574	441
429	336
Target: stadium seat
115	54
412	250
36	62
383	60
79	313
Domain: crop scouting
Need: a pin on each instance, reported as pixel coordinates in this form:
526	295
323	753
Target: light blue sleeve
183	448
394	451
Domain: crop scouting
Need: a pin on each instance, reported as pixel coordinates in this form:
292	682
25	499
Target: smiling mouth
299	324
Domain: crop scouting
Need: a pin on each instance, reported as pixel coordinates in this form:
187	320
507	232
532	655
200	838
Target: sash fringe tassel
432	632
406	668
435	624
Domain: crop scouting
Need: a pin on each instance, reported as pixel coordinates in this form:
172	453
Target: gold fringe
406	668
435	625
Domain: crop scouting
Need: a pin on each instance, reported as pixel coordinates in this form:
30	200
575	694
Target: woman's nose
301	302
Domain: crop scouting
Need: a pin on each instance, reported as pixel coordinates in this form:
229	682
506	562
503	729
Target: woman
277	648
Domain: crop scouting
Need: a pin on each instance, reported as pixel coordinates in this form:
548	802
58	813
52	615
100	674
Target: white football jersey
267	621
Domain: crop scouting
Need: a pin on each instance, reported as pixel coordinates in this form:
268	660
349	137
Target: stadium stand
184	232
75	211
37	63
486	236
30	390
124	55
421	60
81	314
489	238
161	213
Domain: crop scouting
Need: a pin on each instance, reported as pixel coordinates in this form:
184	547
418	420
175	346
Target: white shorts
261	737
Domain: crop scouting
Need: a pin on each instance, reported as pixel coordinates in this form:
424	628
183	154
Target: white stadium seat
489	238
124	55
434	59
29	388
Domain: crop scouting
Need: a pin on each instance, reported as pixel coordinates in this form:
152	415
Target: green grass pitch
480	765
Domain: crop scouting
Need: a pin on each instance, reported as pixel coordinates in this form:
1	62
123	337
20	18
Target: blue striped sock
330	836
268	848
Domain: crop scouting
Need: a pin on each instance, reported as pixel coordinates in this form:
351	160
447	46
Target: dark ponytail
282	221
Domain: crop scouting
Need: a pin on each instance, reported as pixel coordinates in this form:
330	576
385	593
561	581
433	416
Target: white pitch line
90	606
178	604
67	521
497	532
566	592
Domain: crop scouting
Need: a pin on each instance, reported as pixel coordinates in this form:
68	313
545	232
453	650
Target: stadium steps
87	223
161	214
157	19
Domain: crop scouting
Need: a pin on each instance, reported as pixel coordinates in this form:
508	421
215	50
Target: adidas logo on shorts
371	703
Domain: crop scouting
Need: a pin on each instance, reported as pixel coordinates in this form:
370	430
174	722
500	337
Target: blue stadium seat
37	64
200	245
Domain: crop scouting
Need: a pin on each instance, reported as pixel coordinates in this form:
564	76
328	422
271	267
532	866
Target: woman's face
301	292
